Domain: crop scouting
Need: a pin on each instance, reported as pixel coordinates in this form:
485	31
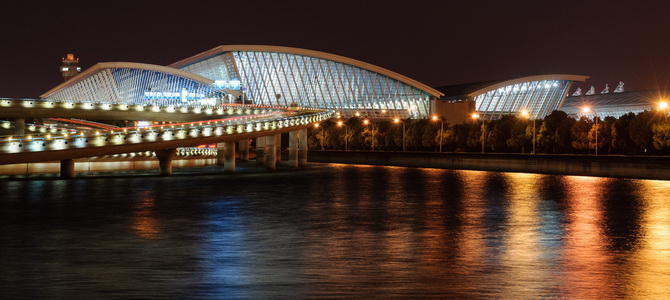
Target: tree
580	134
621	139
661	137
555	133
640	131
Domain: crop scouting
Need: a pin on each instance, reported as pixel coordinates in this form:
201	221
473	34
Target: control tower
70	67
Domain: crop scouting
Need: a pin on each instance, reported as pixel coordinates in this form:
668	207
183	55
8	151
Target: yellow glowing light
396	120
366	122
340	123
434	118
586	109
316	125
662	105
525	113
475	116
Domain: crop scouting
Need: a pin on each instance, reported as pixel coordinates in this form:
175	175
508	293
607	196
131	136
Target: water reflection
145	223
649	263
337	231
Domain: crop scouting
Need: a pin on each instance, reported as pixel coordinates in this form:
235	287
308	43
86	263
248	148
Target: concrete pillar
229	156
270	153
67	169
164	161
293	149
278	147
302	147
20	126
220	157
260	150
244	149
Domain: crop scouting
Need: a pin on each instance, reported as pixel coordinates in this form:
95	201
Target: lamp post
397	120
526	115
372	130
435	118
476	116
663	106
346	132
587	109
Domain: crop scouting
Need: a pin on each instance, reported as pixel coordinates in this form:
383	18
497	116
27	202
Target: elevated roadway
223	125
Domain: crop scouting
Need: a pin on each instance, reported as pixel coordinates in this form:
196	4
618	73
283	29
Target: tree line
631	134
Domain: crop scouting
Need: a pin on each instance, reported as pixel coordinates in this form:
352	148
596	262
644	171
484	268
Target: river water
334	231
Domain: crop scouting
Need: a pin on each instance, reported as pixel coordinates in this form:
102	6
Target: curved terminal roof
475	89
126	65
305	52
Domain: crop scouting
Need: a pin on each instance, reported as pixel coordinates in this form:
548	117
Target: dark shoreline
639	167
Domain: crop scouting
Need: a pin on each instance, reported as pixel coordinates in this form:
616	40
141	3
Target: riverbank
641	167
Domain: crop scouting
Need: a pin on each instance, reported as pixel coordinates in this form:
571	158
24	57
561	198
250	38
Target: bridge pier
293	149
67	169
260	150
244	149
302	147
20	126
229	156
164	161
278	147
271	152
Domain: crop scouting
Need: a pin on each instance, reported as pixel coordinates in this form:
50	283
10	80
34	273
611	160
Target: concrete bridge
221	125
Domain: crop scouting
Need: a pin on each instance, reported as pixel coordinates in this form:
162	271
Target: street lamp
476	116
663	106
397	120
372	130
587	110
526	115
346	132
435	118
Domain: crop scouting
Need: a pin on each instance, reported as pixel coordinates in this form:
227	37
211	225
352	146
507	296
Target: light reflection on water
336	231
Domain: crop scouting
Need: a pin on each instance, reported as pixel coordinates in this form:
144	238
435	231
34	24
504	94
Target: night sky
435	42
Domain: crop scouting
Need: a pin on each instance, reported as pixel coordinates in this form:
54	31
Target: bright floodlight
434	118
525	113
366	121
475	116
396	120
340	123
663	105
316	124
586	109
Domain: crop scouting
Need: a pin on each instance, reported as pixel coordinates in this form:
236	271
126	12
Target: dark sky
436	42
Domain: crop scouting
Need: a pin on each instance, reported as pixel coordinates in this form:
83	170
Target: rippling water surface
335	231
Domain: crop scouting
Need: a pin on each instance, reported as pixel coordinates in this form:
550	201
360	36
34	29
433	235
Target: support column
20	126
67	169
229	156
220	157
164	161
260	150
302	147
270	153
244	149
278	147
293	149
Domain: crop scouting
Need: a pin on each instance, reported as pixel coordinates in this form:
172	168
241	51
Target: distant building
614	104
70	67
538	95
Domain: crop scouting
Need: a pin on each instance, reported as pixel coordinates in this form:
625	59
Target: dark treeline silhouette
645	133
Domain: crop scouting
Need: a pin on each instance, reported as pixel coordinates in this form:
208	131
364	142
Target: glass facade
138	87
614	104
284	79
539	98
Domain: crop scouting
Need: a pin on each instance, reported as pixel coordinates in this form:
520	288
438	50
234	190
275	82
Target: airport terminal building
285	76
